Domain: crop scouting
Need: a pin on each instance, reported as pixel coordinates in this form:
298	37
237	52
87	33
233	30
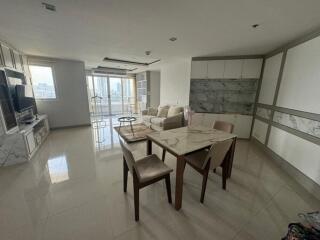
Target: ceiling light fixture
172	39
148	52
106	59
255	25
117	68
49	6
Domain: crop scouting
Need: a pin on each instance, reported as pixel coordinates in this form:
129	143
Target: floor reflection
105	137
58	169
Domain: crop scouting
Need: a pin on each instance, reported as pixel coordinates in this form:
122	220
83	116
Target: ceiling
90	30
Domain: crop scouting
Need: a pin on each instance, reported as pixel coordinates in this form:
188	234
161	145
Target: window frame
50	65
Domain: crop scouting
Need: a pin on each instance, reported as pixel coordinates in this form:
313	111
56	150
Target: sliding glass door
109	95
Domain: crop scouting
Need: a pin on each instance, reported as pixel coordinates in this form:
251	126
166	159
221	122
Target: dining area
203	149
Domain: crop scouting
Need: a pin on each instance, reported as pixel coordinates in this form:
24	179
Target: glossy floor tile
72	189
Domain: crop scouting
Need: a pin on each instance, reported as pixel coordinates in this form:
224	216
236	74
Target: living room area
159	120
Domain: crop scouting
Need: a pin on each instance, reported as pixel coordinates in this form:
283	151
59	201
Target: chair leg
224	176
168	186
125	175
136	198
163	155
204	185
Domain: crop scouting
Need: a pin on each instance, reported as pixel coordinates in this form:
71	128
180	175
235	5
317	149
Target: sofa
164	117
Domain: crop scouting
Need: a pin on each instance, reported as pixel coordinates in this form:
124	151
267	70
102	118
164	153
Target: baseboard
306	182
73	126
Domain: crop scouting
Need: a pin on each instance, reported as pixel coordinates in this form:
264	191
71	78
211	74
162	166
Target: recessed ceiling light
255	25
148	52
49	6
172	39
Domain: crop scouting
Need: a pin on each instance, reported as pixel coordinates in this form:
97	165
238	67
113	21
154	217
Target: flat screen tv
23	98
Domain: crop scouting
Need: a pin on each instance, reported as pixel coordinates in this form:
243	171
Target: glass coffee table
124	120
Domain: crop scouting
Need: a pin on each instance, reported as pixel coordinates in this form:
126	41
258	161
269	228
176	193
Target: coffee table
127	119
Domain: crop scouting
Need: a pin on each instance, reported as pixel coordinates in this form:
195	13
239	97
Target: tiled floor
72	189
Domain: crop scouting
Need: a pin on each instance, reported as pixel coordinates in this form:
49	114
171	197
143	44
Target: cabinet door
30	142
233	68
251	68
242	126
7	56
17	60
215	69
199	69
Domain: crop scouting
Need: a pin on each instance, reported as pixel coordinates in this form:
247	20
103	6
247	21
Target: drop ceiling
125	29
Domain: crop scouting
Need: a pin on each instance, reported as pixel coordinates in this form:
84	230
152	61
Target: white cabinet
242	126
215	69
251	68
30	142
7	56
17	60
199	69
233	68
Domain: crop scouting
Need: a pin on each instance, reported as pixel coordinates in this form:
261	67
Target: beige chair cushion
174	110
151	167
157	121
163	111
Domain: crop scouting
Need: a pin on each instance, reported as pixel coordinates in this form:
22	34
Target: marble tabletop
181	141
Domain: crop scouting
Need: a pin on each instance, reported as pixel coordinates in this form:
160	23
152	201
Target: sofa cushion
152	111
174	110
147	118
163	111
157	121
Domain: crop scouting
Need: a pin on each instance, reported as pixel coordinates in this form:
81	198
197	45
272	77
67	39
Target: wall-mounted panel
199	69
300	84
270	79
300	153
264	113
260	130
215	69
301	124
233	68
251	68
223	95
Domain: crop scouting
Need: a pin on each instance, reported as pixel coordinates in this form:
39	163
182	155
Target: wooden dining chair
145	171
204	160
223	126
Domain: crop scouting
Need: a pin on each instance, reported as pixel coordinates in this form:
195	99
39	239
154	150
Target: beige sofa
163	117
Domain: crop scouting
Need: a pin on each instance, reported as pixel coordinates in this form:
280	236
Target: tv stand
22	145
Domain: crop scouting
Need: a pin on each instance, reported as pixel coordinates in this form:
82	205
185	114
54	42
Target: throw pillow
174	110
163	111
152	111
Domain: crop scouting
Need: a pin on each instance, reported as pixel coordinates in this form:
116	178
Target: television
24	98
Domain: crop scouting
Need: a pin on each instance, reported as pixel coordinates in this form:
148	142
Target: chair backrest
127	156
223	126
217	153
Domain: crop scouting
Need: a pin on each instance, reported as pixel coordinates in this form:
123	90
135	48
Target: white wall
270	79
175	82
301	78
300	153
154	89
71	108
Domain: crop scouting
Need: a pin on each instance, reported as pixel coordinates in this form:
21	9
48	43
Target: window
42	82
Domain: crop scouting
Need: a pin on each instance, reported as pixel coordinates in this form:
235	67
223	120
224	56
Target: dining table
182	141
